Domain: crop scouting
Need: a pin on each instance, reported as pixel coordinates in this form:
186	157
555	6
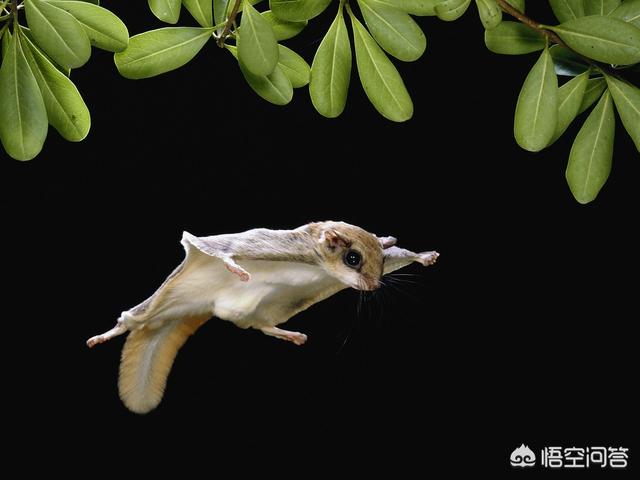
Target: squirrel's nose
373	284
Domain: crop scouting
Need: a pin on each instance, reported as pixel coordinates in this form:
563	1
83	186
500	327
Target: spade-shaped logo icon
523	457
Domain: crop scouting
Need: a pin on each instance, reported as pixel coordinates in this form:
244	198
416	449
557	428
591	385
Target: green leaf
594	90
201	11
419	8
627	100
222	9
275	88
66	111
628	11
159	51
566	62
331	70
590	158
604	39
517	4
95	2
566	10
298	10
6	41
513	38
283	29
294	67
394	30
104	29
257	46
220	12
166	10
537	108
570	97
231	3
23	118
27	33
450	10
58	33
490	13
600	7
381	81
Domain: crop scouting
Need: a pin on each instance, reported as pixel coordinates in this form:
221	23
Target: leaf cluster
594	44
582	66
273	70
38	56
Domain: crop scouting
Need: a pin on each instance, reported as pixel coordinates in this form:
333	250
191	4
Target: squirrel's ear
332	239
387	242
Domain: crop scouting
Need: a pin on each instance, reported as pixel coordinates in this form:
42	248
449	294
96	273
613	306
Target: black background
522	332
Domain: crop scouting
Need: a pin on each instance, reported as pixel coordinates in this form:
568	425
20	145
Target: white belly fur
271	295
274	293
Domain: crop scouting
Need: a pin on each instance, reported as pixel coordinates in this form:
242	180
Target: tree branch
506	7
231	21
551	36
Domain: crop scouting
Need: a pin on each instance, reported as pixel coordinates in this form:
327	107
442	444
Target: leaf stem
14	14
548	34
218	26
231	21
514	12
345	4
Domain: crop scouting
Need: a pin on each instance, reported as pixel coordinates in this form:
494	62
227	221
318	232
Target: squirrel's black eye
352	259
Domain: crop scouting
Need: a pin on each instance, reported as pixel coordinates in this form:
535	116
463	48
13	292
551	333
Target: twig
231	21
551	36
506	6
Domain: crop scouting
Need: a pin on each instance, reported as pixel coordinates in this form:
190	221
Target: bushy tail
147	358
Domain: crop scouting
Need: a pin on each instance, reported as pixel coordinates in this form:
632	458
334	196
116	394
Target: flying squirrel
259	278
